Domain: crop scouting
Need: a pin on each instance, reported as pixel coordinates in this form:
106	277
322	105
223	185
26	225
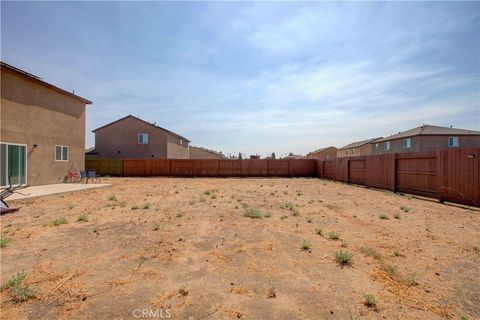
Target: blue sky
257	77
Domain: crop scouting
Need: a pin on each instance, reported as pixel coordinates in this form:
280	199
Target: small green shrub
156	227
383	216
334	235
476	249
19	292
71	206
112	198
411	280
253	213
397	216
369	300
309	220
134	207
319	231
306	245
59	221
390	270
146	205
343	258
82	218
4	242
267	214
405	208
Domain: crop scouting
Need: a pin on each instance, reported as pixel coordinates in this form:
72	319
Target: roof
322	149
208	150
90	151
24	74
146	122
359	143
429	130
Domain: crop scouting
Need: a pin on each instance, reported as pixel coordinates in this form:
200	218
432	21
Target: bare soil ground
186	248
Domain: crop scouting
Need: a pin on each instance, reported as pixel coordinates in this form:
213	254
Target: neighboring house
42	130
323	153
203	153
131	137
359	148
427	138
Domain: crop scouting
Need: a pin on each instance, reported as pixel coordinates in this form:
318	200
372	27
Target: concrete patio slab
45	190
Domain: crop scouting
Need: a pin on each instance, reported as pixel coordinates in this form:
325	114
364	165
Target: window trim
141	135
385	144
453	145
61	153
409	143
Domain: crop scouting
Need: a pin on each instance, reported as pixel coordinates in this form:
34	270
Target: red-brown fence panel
341	169
328	169
417	173
459	176
380	171
279	168
303	167
206	168
254	168
357	170
182	168
134	167
229	168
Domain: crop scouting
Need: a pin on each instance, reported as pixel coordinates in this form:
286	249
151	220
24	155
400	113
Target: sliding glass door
13	164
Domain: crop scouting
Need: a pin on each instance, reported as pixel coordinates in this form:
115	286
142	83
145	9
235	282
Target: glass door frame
6	162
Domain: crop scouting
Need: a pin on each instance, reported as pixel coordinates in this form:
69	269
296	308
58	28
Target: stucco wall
324	154
426	143
119	140
177	148
359	151
34	114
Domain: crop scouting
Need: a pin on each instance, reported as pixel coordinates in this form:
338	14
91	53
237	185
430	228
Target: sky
257	77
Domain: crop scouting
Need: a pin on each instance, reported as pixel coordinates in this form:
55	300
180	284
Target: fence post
348	170
394	176
441	165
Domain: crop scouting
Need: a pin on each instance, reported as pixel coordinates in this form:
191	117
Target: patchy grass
70	206
370	252
306	245
369	300
383	216
19	291
59	221
309	220
253	213
319	231
134	207
4	242
334	236
112	198
146	205
397	216
405	208
267	214
343	258
82	218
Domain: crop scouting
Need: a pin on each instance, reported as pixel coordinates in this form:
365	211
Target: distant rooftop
429	130
359	143
321	149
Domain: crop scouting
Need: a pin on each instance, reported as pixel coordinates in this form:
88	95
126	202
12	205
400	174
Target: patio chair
5	193
83	175
93	175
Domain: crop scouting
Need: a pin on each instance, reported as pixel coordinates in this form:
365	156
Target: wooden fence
105	167
220	168
448	175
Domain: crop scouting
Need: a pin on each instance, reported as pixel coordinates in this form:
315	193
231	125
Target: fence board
279	168
105	167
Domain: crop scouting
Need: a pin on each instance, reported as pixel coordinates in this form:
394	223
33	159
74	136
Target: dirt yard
185	248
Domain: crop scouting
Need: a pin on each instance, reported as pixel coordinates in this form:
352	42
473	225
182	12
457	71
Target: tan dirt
188	250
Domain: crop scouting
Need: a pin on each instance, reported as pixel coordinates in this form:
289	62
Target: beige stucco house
427	138
42	130
323	153
203	153
134	138
359	148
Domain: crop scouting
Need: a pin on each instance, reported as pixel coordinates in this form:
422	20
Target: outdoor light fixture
470	156
35	146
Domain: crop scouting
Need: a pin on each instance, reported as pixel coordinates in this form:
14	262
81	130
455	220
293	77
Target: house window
181	141
386	145
453	142
61	153
353	150
376	145
143	138
407	143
